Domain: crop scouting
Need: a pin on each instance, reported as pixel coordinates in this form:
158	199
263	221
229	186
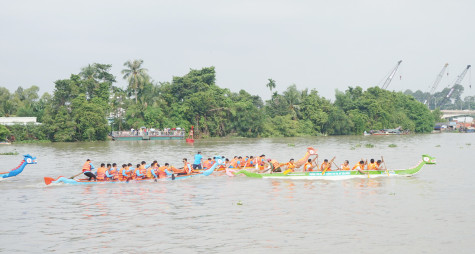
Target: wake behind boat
343	174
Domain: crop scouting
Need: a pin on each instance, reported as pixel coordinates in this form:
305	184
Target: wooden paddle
336	166
387	172
328	166
72	177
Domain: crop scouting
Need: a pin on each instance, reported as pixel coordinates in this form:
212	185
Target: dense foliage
443	101
82	105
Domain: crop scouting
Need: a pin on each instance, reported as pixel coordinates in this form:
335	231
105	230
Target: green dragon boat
343	174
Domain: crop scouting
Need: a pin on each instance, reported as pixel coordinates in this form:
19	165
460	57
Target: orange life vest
261	162
290	166
343	167
233	163
121	176
207	164
161	171
149	172
358	166
325	165
115	173
186	168
101	173
371	166
86	167
307	166
143	171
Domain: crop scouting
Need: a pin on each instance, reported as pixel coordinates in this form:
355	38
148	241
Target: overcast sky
325	45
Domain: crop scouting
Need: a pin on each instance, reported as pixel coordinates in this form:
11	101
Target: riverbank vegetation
87	106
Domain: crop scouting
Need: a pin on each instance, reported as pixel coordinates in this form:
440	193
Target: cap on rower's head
269	159
143	162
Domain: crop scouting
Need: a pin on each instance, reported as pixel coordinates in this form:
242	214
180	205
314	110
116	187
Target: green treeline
87	107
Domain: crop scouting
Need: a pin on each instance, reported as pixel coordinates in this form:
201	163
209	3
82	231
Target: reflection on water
219	214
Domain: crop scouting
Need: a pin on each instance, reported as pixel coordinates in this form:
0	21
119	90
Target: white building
464	119
18	120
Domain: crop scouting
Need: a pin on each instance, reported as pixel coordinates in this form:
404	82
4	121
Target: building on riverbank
18	120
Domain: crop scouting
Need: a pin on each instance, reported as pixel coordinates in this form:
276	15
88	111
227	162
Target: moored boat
343	174
62	179
27	159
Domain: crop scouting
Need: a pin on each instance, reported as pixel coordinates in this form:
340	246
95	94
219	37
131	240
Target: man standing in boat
198	161
86	169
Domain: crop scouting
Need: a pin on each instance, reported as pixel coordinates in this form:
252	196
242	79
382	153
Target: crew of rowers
140	171
327	166
107	172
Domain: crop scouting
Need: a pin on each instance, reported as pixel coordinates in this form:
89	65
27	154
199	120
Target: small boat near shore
343	174
64	180
27	159
385	132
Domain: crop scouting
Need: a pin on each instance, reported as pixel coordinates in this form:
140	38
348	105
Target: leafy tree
4	133
135	74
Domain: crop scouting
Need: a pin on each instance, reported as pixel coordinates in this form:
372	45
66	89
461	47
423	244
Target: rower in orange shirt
326	166
359	166
101	172
290	167
123	173
233	163
345	165
186	168
151	170
261	161
207	164
371	165
114	172
309	165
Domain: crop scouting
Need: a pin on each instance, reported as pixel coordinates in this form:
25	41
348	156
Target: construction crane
436	83
457	82
391	75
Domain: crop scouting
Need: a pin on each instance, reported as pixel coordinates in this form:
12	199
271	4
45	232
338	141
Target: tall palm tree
271	84
135	74
293	98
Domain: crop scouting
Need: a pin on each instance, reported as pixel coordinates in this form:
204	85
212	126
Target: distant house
18	120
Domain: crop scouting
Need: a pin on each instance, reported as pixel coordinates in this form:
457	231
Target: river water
432	212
